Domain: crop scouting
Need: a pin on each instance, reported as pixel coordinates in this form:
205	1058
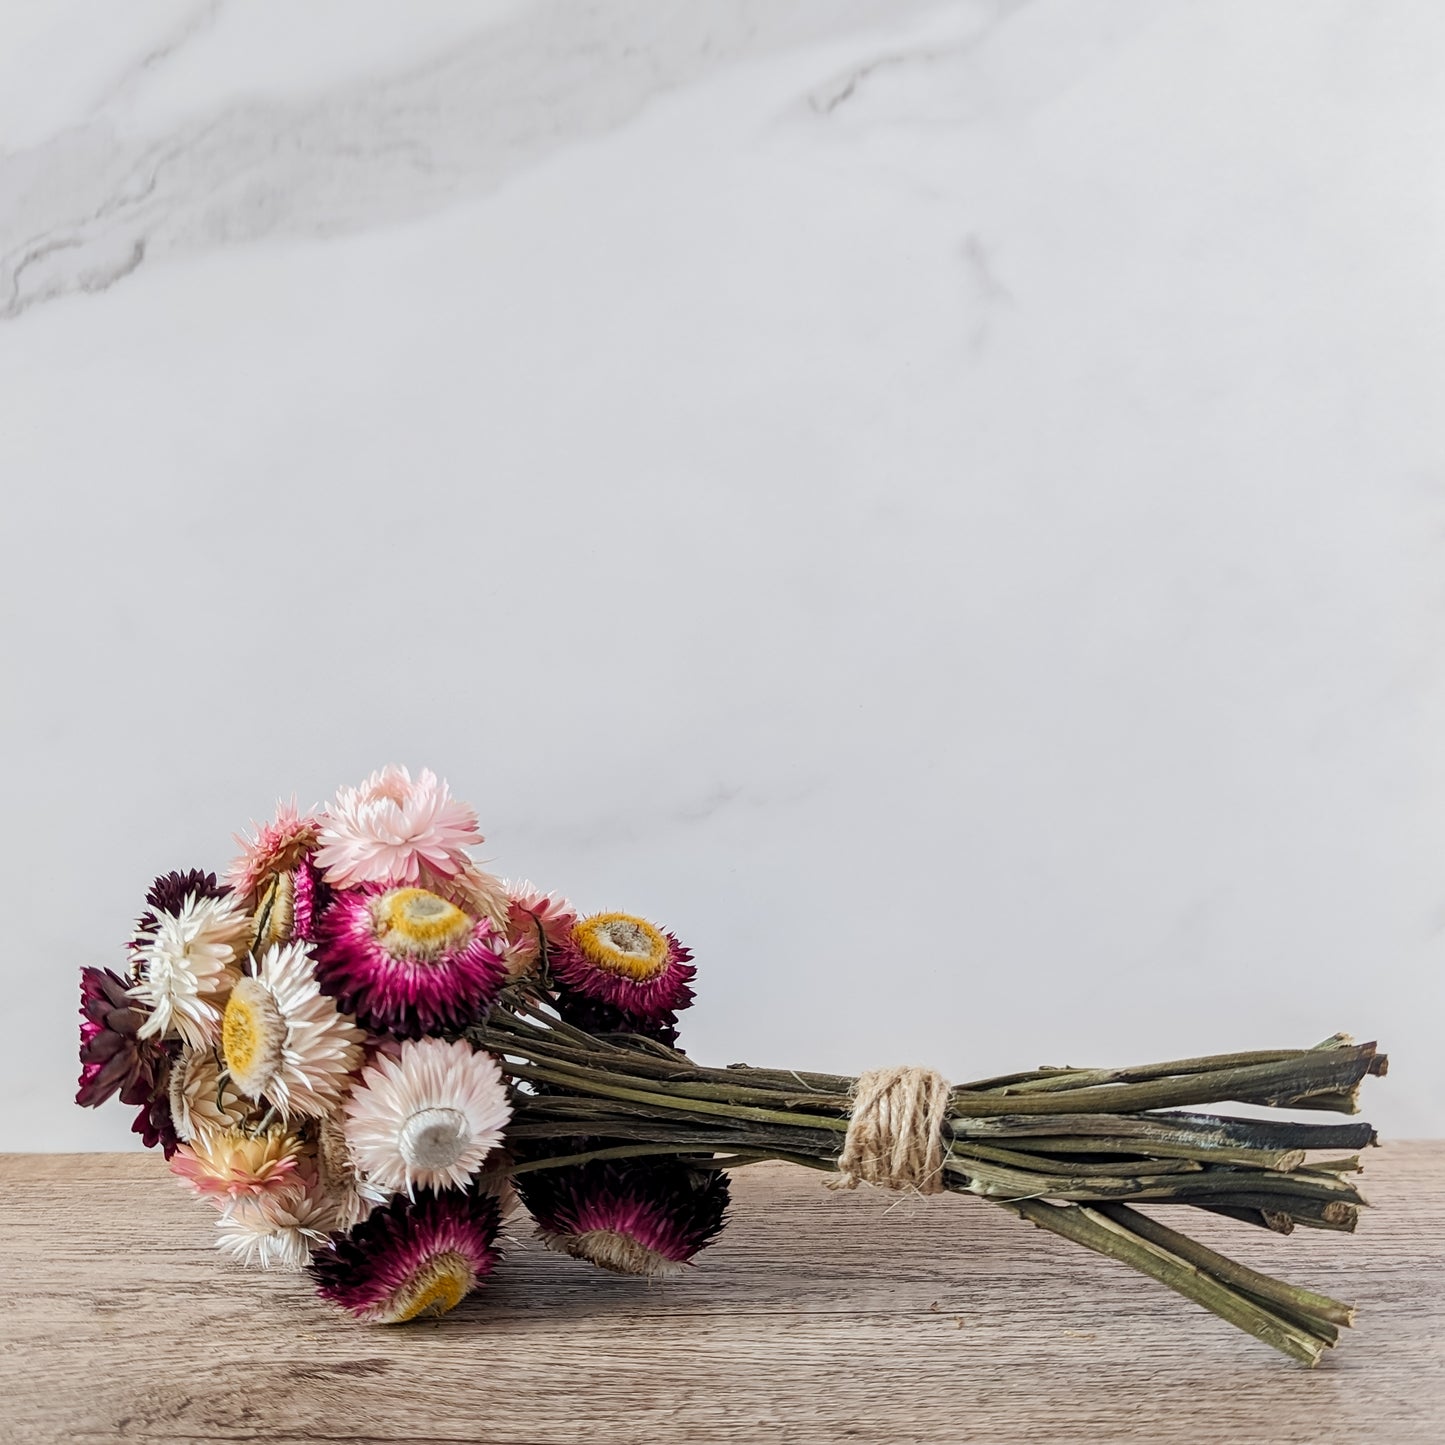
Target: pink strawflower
534	918
391	829
271	848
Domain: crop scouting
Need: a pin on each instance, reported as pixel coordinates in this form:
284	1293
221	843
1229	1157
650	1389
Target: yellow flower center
440	1285
620	943
415	923
253	1035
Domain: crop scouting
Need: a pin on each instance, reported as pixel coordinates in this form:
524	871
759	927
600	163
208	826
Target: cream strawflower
203	1098
392	829
277	1232
349	1197
481	894
186	965
284	1041
427	1119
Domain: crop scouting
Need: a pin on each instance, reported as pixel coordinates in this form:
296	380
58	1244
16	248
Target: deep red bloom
633	1216
113	1058
411	1257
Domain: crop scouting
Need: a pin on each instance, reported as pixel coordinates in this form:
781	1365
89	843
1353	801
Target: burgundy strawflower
643	1216
155	1125
411	1257
113	1058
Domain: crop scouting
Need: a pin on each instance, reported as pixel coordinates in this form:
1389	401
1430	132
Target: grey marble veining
941	504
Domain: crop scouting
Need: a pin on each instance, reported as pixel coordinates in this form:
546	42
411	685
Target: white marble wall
940	503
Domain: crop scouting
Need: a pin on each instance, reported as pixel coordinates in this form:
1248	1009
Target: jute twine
895	1133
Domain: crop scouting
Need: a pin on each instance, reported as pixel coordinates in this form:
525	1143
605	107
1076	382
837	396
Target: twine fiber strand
895	1133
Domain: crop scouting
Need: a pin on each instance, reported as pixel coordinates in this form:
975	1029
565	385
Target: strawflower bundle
365	1053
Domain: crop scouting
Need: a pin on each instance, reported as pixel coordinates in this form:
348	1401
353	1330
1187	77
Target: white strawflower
277	1233
429	1118
284	1040
186	966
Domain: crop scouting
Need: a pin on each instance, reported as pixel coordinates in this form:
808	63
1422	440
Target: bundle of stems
1072	1150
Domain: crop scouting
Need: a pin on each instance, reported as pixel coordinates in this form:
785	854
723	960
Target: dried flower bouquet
363	1050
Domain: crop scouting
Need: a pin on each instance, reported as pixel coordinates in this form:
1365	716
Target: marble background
942	504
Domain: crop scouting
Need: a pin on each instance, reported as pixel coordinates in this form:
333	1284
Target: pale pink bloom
428	1119
394	830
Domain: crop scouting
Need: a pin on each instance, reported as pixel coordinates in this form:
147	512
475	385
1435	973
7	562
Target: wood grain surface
819	1316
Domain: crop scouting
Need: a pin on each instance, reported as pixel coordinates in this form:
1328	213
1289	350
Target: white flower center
627	937
434	1138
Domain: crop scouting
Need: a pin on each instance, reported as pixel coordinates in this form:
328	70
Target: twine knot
895	1132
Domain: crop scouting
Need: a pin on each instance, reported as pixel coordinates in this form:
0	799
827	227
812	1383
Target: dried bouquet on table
363	1050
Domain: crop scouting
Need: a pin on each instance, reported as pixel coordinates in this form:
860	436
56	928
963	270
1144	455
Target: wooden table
819	1316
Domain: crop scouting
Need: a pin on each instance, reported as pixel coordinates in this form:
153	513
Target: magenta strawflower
405	961
272	848
646	1217
628	962
411	1257
308	901
393	829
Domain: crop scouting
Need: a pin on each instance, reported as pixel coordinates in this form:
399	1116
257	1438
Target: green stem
1228	1271
1095	1231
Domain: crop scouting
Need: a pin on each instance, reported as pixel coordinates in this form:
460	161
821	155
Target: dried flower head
203	1097
407	962
411	1258
429	1119
272	848
114	1058
392	828
168	893
626	961
645	1217
536	921
233	1164
284	1041
186	965
276	1231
